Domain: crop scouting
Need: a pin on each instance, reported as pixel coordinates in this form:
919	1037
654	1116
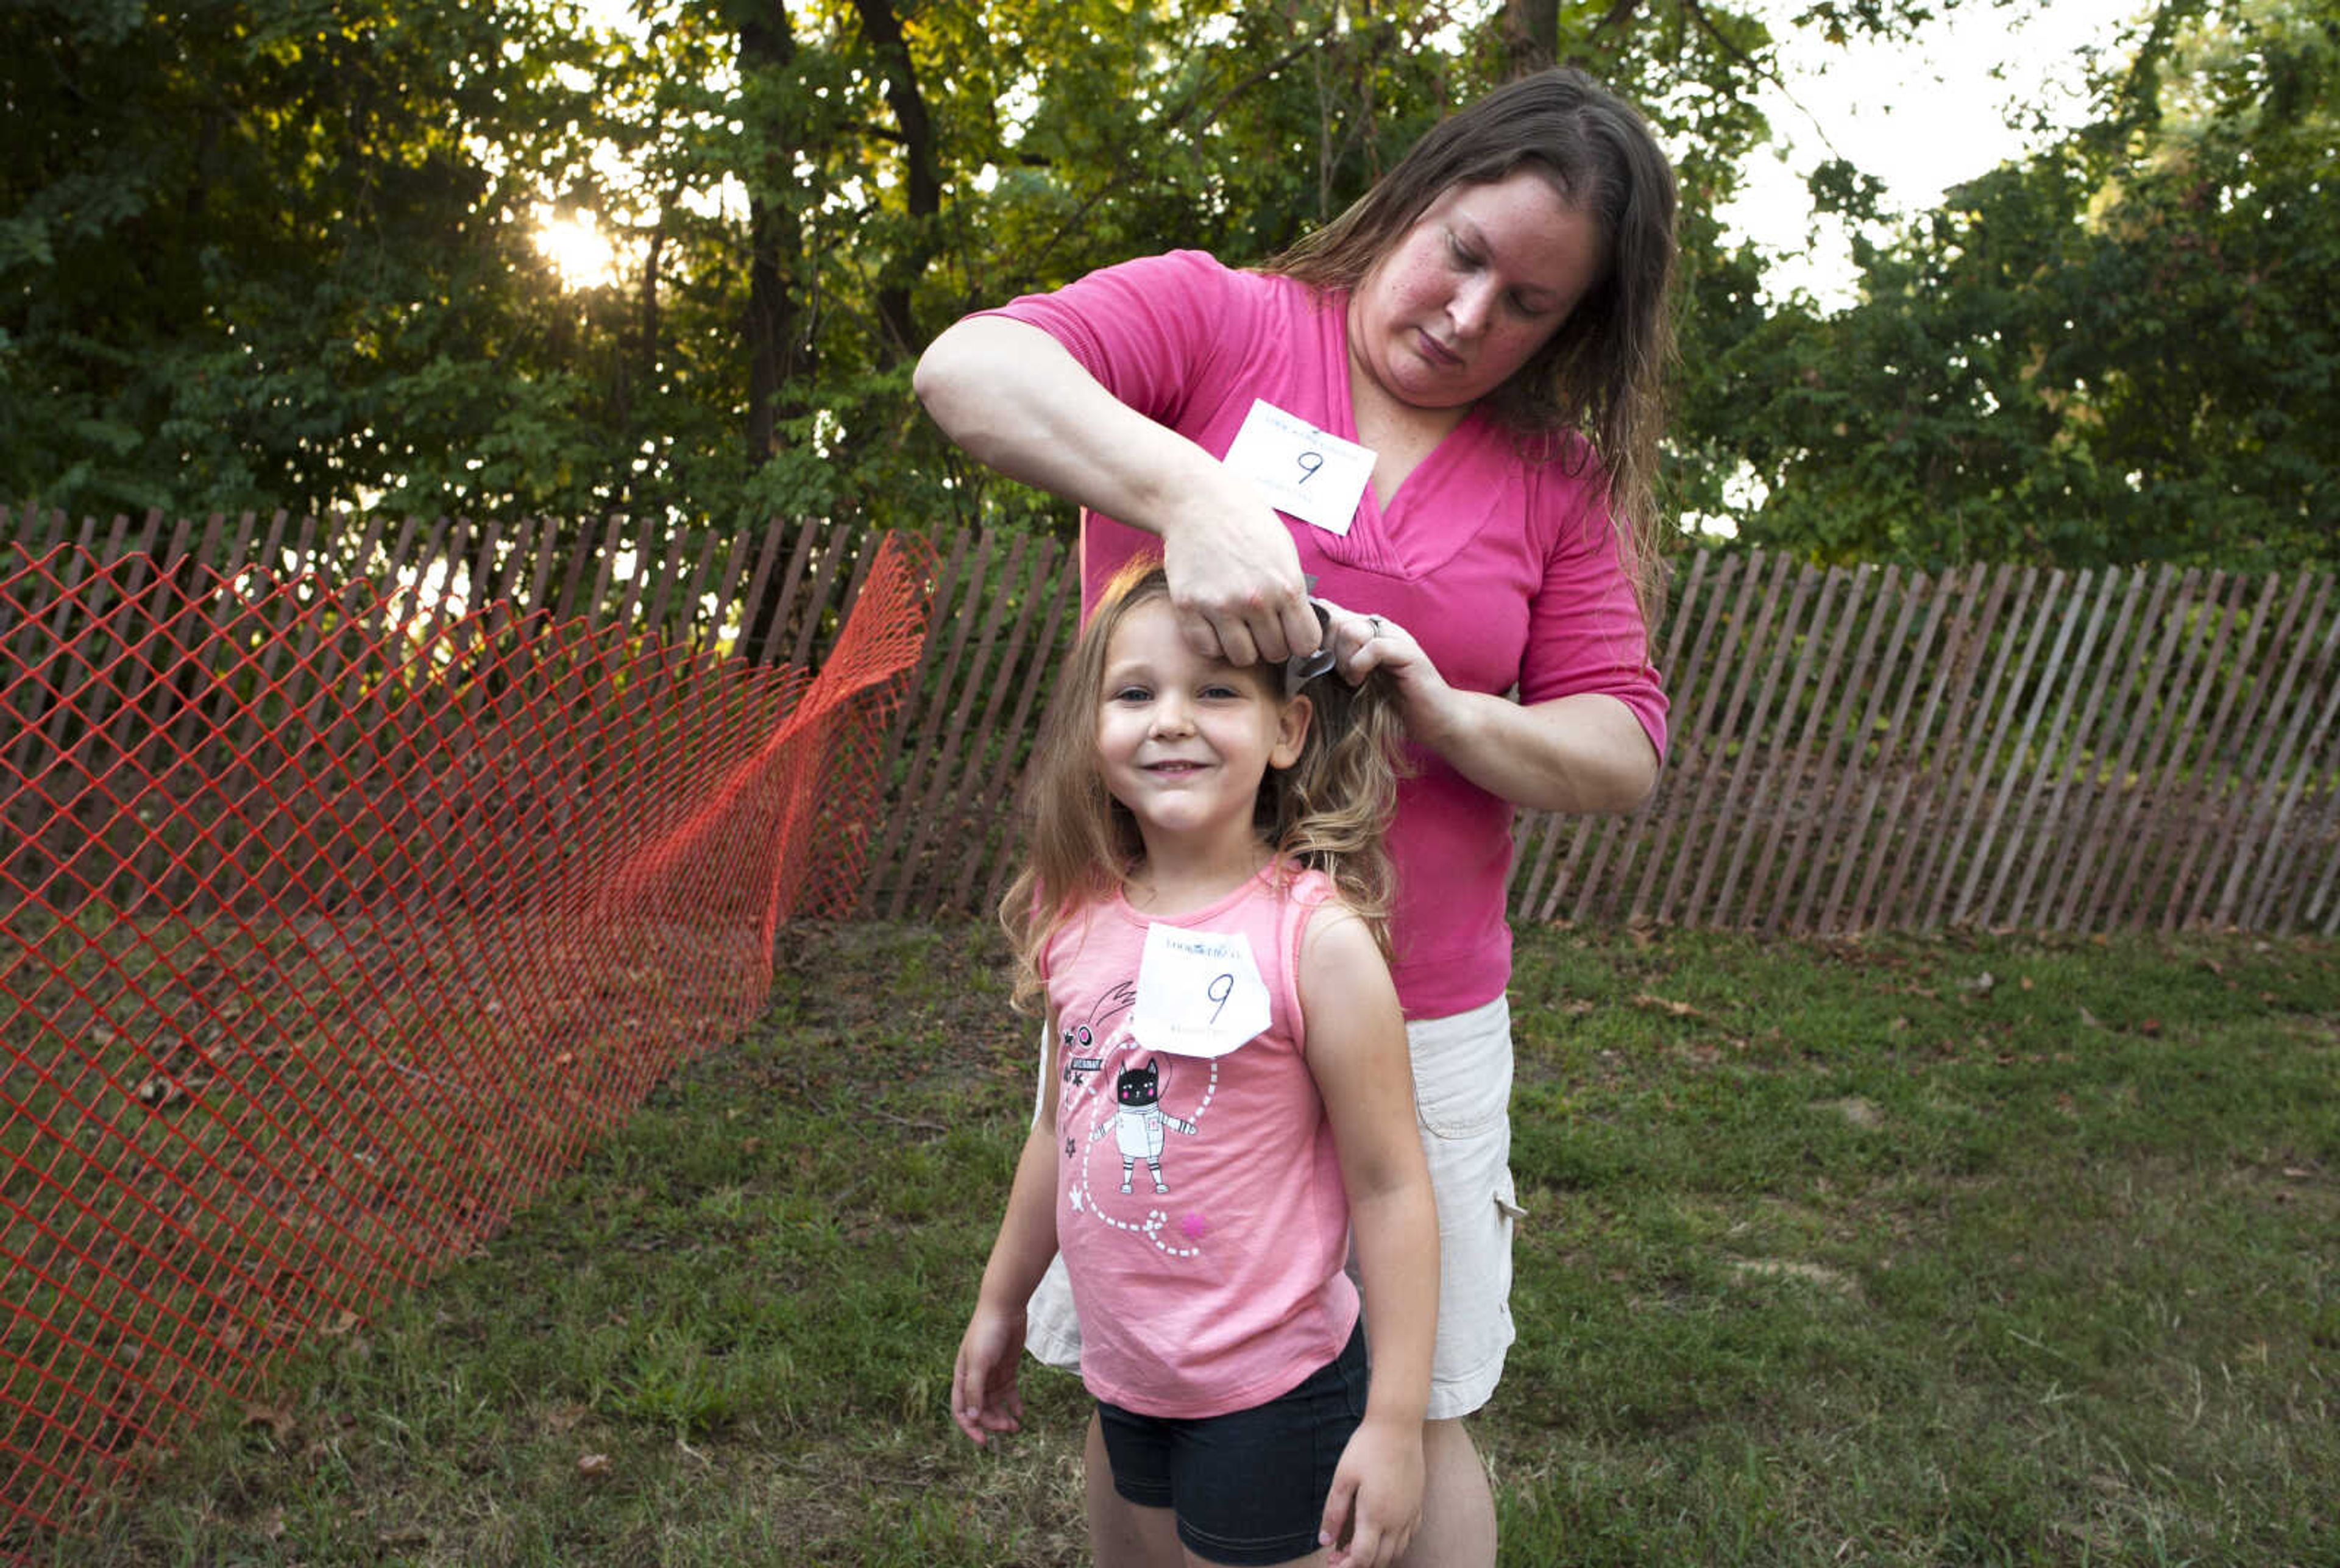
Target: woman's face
1486	275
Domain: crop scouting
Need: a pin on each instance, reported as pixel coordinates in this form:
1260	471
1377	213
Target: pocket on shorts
1464	1093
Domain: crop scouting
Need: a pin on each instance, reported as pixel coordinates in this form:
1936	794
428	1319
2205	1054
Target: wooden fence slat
2056	747
1794	813
1039	683
883	871
2237	702
938	809
1752	754
1690	675
761	622
2133	720
1994	747
2083	756
2260	912
824	574
2261	776
1851	740
1869	779
1044	592
1719	822
1748	605
2322	914
1898	733
1914	806
1964	708
1690	681
1998	713
958	614
2013	760
2213	619
2251	779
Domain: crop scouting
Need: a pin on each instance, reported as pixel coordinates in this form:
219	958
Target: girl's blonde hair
1329	811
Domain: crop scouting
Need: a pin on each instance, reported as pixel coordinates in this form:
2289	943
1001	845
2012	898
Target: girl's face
1482	281
1185	741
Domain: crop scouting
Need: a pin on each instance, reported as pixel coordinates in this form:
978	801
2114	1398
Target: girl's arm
1581	753
1357	1052
1018	402
984	1394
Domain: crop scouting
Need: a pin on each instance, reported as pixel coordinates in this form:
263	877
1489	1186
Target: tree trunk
774	328
882	27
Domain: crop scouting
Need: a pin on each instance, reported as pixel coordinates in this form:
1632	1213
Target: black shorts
1248	1487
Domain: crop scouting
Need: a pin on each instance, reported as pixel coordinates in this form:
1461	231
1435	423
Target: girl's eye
1521	307
1131	694
1221	693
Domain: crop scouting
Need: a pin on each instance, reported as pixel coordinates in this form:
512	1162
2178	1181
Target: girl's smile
1184	741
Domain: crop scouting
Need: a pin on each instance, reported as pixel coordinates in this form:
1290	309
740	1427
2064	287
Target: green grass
1954	1251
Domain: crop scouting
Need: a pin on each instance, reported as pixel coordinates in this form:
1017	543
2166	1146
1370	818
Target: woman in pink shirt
1444	408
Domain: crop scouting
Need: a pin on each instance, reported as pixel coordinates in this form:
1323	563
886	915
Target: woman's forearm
1017	402
1576	754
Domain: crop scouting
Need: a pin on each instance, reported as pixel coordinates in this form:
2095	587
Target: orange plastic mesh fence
333	930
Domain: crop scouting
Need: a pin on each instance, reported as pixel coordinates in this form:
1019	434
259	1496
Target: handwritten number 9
1219	990
1309	461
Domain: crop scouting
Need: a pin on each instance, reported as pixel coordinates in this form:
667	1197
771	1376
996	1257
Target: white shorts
1463	1096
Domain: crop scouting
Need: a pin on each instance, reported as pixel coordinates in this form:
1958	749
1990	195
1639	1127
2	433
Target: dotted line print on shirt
1139	1126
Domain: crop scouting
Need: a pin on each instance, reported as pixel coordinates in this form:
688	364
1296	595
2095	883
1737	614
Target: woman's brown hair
1602	372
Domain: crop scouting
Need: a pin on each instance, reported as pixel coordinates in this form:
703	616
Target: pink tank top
1199	1203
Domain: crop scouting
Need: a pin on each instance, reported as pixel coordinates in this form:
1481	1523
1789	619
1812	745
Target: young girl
1227	1099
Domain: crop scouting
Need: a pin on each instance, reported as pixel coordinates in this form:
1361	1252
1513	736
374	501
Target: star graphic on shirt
1078	1205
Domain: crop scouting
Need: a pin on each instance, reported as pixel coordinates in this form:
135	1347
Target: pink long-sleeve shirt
1497	553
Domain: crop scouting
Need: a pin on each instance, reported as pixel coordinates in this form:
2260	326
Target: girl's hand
984	1396
1376	1498
1235	580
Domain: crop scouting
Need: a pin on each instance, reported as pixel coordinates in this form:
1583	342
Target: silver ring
1378	624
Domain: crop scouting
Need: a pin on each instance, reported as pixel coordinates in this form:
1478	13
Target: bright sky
1921	117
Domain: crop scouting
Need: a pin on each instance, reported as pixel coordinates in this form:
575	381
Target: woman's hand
1376	1502
1584	752
1365	643
1010	394
985	1399
1234	578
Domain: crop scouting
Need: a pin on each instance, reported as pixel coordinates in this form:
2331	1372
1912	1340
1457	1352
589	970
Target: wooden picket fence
1853	748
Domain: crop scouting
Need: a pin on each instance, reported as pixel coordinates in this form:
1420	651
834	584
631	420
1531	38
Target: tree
243	259
2120	350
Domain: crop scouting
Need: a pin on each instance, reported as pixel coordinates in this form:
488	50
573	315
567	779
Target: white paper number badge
1199	993
1311	473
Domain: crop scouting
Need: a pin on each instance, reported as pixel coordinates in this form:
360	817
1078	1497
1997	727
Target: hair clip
1303	668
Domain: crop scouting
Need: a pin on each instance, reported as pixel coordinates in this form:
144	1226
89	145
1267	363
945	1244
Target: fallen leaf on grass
158	1091
1663	1005
1862	1113
276	1418
593	1466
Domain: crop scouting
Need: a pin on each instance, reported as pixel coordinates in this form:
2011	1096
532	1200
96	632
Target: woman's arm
1357	1053
1581	753
984	1394
1009	393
